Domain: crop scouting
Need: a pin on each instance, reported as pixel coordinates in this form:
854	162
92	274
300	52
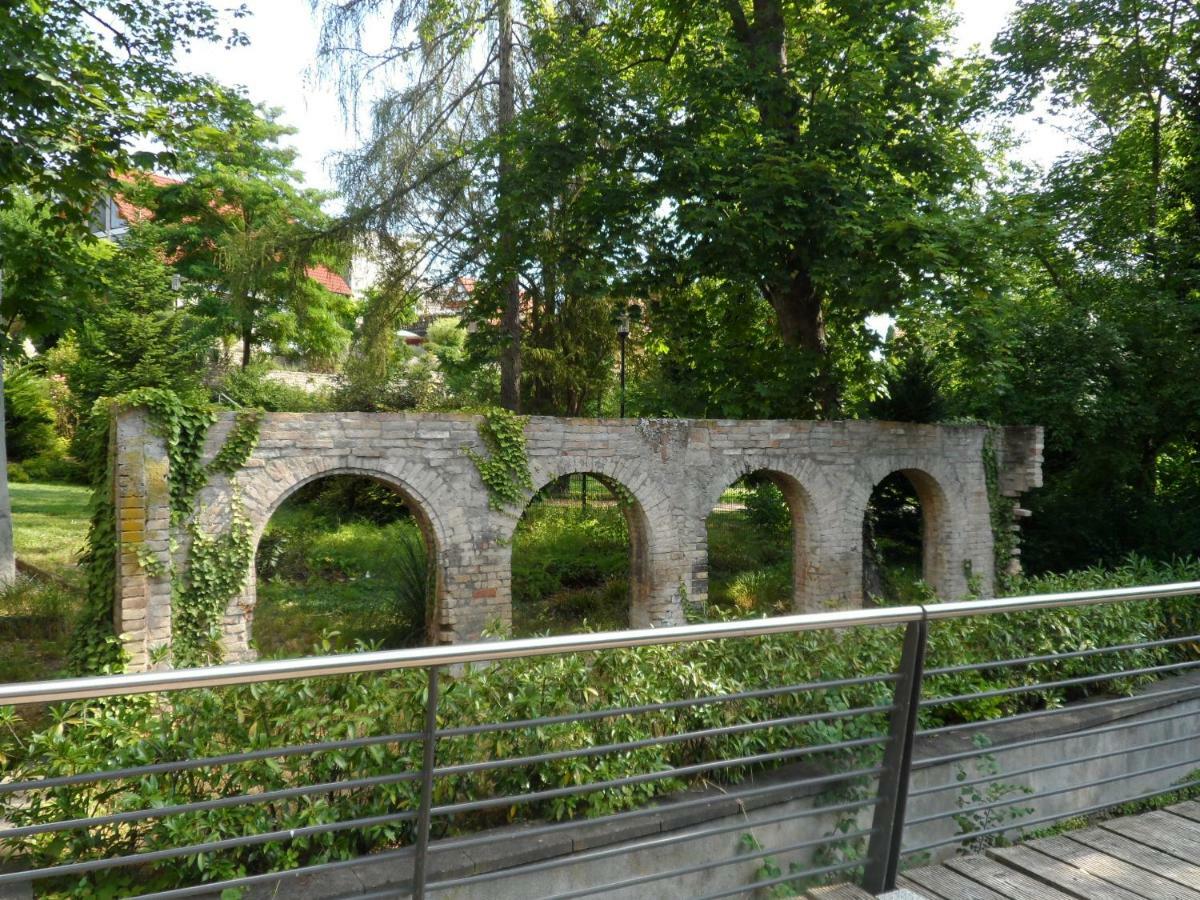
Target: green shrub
130	731
250	387
569	565
28	414
55	468
763	590
767	509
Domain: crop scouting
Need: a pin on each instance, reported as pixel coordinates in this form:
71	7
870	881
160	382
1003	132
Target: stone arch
268	488
943	522
801	486
654	549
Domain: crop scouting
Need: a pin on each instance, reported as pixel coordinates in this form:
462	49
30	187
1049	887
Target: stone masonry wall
675	470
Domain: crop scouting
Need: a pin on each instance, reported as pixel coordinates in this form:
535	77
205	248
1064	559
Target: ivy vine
1004	539
215	567
505	470
240	443
215	573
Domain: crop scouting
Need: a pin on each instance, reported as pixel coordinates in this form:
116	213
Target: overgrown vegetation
750	551
343	557
205	723
570	561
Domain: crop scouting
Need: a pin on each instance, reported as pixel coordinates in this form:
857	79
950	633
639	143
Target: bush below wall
133	731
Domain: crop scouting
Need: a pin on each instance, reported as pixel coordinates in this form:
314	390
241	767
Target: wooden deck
1153	856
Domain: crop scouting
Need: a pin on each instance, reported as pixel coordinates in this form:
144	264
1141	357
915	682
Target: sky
277	69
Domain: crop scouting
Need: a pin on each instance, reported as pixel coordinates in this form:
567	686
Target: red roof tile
328	279
134	214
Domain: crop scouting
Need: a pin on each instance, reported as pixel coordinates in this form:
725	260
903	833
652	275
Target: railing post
883	854
429	757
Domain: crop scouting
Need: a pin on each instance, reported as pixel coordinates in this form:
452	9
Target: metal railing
837	808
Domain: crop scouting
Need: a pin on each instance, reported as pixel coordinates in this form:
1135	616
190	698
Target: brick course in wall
675	471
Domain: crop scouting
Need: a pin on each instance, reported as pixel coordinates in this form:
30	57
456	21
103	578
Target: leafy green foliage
240	222
239	444
194	725
342	553
250	387
28	414
505	470
570	565
86	81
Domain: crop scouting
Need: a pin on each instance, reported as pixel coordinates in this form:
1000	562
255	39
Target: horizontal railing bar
706	866
1053	792
1053	817
963	608
1055	657
602	749
781	879
1066	682
653	809
246	840
404	737
204	762
162	812
613	712
1057	764
1046	713
462	843
490	651
1046	739
452	809
624	848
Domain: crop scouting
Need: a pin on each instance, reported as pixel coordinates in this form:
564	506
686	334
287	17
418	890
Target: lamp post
623	334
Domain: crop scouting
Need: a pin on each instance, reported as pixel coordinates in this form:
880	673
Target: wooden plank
1138	854
1061	875
839	892
1189	809
1160	831
1004	881
940	883
1143	881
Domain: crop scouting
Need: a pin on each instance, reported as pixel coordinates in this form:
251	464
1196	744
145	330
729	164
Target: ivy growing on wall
214	567
505	470
1004	540
240	443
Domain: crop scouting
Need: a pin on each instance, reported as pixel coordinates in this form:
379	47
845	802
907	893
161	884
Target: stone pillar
141	499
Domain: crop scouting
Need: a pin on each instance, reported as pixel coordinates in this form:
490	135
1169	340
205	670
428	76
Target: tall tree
1092	326
80	82
820	154
242	230
428	173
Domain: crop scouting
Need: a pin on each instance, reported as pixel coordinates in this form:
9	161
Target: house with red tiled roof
113	215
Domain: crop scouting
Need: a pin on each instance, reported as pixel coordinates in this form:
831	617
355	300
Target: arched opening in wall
579	558
346	559
756	538
900	543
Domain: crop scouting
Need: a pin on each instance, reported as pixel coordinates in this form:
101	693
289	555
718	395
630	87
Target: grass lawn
350	581
50	524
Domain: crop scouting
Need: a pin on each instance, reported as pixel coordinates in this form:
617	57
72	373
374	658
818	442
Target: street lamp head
623	325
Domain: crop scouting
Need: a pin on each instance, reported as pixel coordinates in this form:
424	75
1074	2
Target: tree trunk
800	313
798	304
510	357
247	338
8	558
